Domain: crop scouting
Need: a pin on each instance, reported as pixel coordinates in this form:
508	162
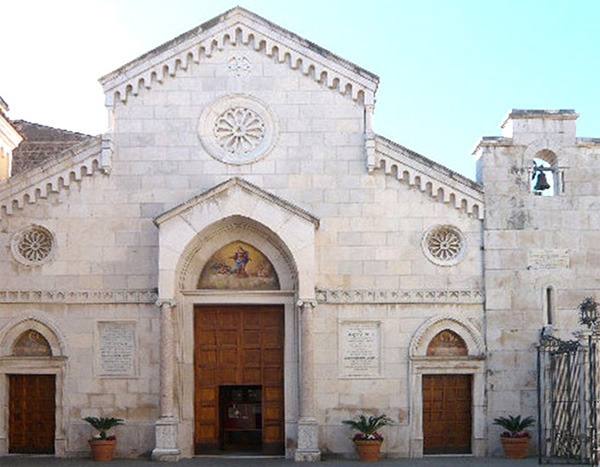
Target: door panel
447	419
238	346
32	414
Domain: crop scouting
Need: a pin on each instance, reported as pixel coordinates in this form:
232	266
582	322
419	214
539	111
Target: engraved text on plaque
116	348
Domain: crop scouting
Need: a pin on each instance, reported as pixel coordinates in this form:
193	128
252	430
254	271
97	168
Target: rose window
444	245
239	130
33	245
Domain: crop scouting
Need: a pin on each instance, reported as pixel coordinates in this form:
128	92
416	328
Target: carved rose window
239	130
33	246
444	245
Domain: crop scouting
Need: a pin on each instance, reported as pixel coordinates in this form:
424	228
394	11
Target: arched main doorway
232	215
239	357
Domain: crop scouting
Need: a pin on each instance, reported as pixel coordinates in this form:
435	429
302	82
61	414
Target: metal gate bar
567	400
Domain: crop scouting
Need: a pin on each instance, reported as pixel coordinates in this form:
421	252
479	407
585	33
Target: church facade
241	263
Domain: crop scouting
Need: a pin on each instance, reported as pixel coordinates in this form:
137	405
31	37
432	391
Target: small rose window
444	245
33	246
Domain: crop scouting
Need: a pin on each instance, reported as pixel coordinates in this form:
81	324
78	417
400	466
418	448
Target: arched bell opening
545	177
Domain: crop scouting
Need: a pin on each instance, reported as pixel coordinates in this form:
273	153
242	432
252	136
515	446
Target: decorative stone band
83	160
399	296
79	296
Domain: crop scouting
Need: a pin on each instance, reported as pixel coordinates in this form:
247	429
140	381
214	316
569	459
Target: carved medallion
239	66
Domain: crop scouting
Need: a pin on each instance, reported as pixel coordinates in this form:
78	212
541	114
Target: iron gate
567	400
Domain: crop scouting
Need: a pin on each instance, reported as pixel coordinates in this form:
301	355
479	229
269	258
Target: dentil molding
149	296
399	296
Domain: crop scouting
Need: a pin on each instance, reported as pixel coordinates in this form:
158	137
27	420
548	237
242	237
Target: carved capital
166	302
306	304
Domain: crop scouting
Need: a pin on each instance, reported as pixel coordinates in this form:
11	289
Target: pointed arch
35	322
461	327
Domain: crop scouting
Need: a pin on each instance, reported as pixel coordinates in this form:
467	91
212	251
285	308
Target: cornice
146	296
82	160
431	178
392	296
239	27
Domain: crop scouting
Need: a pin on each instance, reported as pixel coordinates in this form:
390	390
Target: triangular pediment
236	191
240	28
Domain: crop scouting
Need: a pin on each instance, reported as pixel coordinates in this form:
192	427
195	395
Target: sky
449	70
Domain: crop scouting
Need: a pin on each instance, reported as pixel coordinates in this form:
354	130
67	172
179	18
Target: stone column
166	426
308	427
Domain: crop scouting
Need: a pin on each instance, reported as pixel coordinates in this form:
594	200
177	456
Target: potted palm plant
368	440
515	438
103	445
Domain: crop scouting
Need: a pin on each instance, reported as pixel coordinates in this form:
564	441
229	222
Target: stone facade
241	131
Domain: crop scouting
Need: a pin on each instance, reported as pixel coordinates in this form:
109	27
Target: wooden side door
447	420
32	414
238	345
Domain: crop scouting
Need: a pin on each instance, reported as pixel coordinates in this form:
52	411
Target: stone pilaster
308	427
369	136
166	426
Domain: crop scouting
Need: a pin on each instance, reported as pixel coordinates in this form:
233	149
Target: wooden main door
447	418
32	414
238	361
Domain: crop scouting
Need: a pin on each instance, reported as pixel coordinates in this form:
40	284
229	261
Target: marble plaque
116	355
548	258
360	349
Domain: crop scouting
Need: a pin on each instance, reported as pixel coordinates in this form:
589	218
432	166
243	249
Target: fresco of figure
241	258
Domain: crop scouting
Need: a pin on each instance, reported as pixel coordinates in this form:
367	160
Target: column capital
166	301
306	303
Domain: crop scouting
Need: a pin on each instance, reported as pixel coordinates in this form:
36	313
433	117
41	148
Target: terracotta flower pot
103	449
368	449
515	448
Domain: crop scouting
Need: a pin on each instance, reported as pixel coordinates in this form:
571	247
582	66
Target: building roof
40	144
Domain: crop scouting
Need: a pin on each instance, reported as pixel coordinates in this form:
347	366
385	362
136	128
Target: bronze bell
541	183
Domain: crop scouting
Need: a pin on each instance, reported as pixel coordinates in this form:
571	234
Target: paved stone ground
43	461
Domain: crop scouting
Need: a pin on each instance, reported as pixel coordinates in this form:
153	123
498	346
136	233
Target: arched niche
462	329
238	266
23	328
229	233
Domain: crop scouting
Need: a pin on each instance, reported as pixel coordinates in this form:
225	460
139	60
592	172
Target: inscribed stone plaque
360	349
116	348
548	258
